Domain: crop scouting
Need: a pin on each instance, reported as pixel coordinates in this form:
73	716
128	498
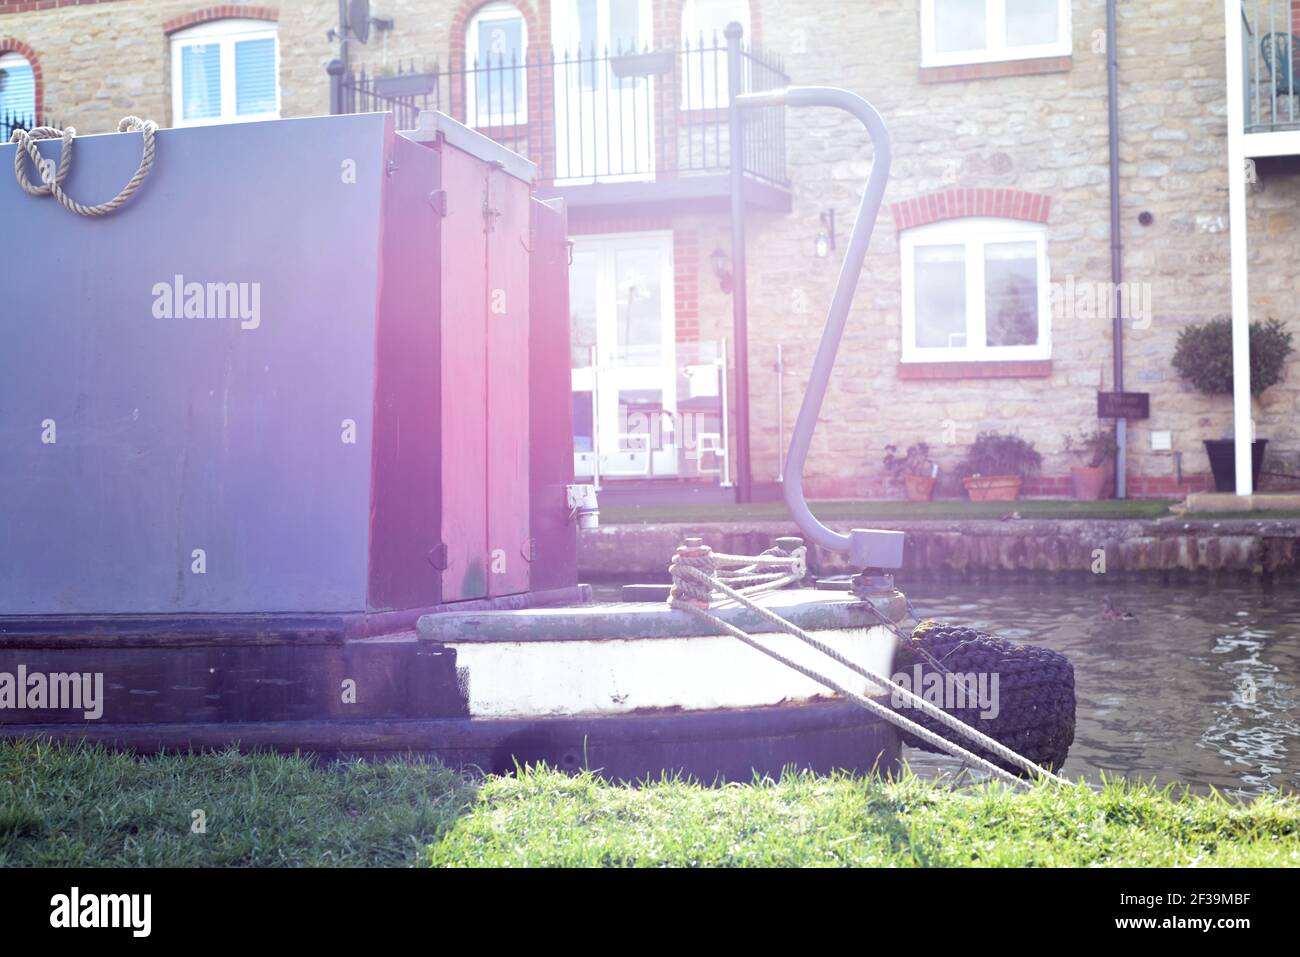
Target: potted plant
1203	356
996	465
1089	481
913	471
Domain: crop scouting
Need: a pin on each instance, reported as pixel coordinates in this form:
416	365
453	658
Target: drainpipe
1116	245
1237	245
739	297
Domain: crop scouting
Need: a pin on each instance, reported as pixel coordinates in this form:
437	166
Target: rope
52	180
691	579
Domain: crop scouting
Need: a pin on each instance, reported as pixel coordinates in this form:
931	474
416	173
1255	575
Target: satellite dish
359	19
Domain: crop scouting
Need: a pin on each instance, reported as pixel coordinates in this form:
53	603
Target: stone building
985	300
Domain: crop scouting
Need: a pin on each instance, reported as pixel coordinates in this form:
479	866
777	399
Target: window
975	289
17	92
983	31
225	71
704	80
496	44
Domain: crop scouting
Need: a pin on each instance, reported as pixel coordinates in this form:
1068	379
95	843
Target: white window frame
995	14
225	33
490	12
14	58
974	233
700	63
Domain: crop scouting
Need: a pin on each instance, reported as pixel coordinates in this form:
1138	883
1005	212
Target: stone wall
1043	132
1098	549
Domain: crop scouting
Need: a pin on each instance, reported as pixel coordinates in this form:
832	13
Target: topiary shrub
1203	355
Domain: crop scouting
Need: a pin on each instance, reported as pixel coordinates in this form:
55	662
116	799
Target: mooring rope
694	581
52	179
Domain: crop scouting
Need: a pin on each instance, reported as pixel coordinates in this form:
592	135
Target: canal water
1201	688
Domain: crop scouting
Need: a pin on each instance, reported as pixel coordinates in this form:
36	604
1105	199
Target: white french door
604	123
624	355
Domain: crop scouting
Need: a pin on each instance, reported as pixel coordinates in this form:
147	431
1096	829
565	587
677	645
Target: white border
226	33
488	13
997	51
973	233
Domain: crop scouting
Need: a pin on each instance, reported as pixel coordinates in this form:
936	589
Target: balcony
608	129
1270	54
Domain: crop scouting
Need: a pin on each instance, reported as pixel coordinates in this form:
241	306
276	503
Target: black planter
1224	466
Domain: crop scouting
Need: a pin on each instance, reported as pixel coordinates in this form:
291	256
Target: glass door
604	122
624	356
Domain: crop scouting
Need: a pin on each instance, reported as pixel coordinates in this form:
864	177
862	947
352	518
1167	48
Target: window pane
1011	293
500	61
201	81
584	431
17	90
1032	22
640	308
584	73
959	25
712	16
705	83
255	78
940	297
624	26
582	309
588	28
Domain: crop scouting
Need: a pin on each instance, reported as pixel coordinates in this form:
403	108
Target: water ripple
1200	690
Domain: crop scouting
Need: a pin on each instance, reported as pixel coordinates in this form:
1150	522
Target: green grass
885	511
544	819
78	805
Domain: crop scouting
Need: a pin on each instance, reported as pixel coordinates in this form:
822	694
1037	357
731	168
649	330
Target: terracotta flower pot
1088	482
920	488
992	488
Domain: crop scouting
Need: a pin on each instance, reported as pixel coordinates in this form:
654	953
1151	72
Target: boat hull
629	691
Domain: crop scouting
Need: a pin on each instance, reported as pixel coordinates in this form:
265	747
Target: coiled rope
695	578
52	176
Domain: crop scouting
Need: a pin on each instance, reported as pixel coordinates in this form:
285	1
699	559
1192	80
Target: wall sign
1124	405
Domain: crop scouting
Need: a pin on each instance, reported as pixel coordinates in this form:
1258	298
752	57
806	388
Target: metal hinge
438	557
438	200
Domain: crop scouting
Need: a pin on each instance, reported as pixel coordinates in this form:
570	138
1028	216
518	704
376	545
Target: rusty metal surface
711	746
808	608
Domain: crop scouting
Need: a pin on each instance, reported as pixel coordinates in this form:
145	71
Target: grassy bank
83	806
886	511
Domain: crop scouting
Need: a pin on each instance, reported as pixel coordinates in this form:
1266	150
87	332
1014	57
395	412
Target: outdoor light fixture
718	259
826	237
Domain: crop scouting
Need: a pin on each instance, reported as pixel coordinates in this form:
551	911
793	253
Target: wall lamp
826	236
718	259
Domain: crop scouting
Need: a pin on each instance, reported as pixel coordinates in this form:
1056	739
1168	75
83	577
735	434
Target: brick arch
226	11
538	96
961	202
539	35
14	45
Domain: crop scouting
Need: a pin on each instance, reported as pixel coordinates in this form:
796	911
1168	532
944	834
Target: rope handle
52	178
694	581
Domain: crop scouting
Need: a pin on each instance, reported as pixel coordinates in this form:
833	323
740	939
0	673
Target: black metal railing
18	121
1271	61
590	116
